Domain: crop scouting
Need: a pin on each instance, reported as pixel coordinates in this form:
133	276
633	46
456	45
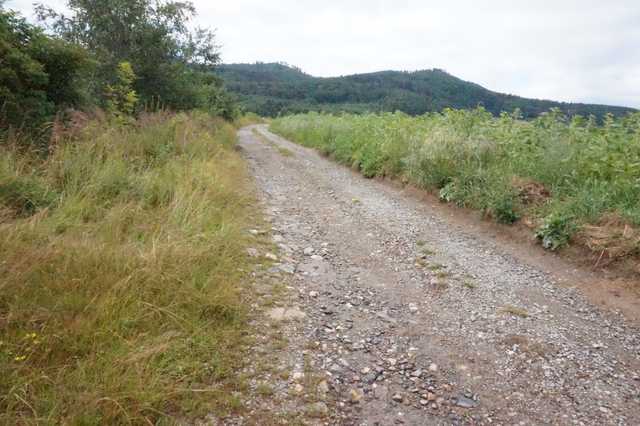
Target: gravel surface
405	320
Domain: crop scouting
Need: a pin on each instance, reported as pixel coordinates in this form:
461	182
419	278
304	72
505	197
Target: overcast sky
568	50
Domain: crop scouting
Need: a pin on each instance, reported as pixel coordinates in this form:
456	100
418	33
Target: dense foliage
167	56
272	89
559	174
38	74
81	58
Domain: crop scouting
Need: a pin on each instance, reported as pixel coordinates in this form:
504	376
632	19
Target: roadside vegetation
124	211
570	180
75	61
122	264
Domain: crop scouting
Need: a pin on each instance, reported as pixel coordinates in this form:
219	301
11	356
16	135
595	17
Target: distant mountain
270	89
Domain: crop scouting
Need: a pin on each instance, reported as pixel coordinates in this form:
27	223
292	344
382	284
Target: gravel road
409	320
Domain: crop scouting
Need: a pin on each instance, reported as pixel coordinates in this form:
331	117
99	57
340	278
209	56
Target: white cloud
569	50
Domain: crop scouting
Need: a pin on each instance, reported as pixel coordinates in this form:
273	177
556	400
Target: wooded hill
270	89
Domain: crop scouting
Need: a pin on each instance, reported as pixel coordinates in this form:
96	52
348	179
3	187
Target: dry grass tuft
612	237
530	192
515	311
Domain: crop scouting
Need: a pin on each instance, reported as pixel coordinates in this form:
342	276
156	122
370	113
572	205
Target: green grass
122	261
264	389
436	267
285	152
248	119
282	150
559	174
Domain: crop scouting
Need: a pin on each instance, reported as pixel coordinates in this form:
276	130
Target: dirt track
411	320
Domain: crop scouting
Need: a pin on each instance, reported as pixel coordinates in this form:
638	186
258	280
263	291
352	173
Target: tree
120	97
38	74
167	57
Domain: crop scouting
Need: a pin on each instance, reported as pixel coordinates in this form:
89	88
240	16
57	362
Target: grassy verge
282	150
247	119
122	258
569	180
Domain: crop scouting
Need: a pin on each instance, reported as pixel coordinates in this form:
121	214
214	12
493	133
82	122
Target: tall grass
560	174
121	262
247	119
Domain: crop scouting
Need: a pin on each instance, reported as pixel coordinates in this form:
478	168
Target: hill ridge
273	88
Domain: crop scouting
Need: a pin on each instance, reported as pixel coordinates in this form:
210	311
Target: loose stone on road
406	320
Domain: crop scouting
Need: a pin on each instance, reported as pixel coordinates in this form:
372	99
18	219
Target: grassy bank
569	180
122	255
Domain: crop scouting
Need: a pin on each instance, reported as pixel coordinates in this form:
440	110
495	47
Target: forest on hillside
272	89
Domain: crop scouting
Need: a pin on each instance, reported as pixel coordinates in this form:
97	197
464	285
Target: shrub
120	97
556	231
39	75
24	195
504	208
